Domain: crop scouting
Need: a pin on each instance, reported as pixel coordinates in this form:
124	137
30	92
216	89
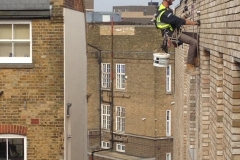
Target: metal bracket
69	136
68	108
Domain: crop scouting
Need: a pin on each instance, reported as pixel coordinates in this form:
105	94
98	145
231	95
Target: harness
173	39
168	39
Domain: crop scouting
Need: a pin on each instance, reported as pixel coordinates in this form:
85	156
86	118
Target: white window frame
168	156
168	123
12	136
168	78
18	59
105	116
120	147
120	76
105	145
106	75
120	119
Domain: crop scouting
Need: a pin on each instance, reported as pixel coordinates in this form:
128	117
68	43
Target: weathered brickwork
145	92
33	99
214	134
77	5
89	4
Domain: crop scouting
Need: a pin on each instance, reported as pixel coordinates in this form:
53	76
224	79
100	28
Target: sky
106	5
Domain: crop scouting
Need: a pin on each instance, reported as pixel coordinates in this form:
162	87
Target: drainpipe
100	97
100	91
112	78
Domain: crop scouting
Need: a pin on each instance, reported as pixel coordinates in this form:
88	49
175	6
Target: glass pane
5	49
16	148
21	31
3	149
22	49
123	69
108	109
5	31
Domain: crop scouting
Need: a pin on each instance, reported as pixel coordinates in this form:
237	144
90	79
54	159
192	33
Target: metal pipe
100	91
112	78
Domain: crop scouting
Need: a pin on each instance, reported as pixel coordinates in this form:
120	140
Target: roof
24	5
24	9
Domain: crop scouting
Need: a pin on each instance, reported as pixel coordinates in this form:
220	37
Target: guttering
100	82
99	151
25	14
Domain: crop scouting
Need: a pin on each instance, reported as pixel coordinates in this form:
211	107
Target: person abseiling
168	22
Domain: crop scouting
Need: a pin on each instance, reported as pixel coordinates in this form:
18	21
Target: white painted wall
75	76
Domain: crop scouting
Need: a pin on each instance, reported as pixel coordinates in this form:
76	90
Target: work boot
196	62
191	70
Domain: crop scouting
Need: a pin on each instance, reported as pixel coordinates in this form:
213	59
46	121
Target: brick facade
207	105
33	101
145	92
89	5
13	129
77	5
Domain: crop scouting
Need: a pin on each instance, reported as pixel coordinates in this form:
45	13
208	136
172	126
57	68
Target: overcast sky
106	5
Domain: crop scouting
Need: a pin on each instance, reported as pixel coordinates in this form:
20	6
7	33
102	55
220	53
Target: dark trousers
192	51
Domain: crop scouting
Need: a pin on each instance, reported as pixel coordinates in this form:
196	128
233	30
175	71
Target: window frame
106	75
120	119
103	146
12	136
105	124
170	156
169	79
15	60
119	76
121	146
168	123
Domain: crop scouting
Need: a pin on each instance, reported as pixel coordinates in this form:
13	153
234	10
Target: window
168	78
105	116
105	145
120	76
120	147
168	123
106	18
13	146
168	156
120	119
15	42
106	82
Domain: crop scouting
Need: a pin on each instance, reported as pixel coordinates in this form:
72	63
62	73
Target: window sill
119	132
119	90
16	65
106	89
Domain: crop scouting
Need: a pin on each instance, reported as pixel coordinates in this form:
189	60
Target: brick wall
216	124
77	5
145	94
32	103
89	4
